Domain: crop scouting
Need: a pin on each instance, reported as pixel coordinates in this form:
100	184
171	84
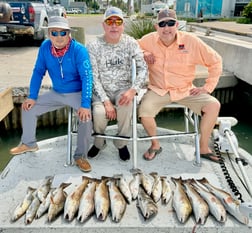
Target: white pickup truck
20	18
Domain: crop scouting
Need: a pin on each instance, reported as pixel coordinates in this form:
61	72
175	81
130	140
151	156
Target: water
172	120
12	139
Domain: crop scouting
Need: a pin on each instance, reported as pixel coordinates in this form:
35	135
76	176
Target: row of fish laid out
106	195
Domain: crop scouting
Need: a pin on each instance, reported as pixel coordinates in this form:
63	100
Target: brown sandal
151	151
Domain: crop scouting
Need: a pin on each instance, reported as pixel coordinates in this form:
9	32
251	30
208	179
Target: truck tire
43	34
5	12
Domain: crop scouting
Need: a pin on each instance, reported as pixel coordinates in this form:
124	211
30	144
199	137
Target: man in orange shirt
172	56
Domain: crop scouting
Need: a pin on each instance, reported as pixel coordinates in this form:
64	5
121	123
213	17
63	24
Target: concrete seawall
237	56
236	53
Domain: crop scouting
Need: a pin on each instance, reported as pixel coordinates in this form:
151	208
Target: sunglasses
117	22
56	33
169	23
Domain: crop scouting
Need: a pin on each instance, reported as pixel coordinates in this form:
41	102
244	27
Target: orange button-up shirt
175	66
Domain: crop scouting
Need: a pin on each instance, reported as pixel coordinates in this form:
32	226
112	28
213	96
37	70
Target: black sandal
211	157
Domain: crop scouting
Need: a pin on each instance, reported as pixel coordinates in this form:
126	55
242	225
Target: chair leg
186	112
69	138
134	133
196	138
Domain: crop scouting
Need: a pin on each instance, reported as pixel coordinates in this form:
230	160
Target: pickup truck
19	18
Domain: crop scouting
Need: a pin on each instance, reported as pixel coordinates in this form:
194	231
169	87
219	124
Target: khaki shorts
151	103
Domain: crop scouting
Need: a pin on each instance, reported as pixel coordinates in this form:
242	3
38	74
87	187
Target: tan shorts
151	103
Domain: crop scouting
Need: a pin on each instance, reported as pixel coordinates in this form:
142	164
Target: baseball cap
113	11
58	22
166	14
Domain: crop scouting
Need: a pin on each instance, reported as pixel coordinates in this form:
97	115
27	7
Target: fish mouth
222	219
67	217
101	217
28	221
201	221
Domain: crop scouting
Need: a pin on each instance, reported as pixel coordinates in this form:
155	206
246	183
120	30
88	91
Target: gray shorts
151	103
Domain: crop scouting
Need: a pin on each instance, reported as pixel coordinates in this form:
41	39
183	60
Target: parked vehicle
27	17
74	11
153	8
71	11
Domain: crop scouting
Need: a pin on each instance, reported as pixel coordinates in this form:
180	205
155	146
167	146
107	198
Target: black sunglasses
169	23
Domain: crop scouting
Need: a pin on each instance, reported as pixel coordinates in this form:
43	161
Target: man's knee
211	108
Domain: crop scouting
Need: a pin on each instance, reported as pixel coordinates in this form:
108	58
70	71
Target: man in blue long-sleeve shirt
69	68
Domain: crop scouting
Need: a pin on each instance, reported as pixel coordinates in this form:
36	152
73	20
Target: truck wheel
5	12
43	34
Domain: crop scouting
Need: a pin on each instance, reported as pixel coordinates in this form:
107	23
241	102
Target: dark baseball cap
166	14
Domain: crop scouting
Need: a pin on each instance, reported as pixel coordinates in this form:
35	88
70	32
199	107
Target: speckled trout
134	185
147	182
146	204
57	202
32	210
101	200
166	189
44	188
24	205
117	201
180	201
199	206
216	208
124	187
43	207
231	205
87	204
73	200
156	187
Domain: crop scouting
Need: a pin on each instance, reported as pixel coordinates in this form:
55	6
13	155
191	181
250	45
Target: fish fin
118	176
136	171
85	178
154	174
30	189
64	185
51	200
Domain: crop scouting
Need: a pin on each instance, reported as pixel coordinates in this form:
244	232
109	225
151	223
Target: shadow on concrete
20	42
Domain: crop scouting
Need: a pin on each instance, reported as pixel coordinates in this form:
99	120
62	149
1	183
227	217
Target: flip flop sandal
211	156
151	151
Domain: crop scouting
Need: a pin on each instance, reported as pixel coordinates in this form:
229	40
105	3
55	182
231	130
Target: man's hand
127	97
198	91
28	104
110	110
149	57
84	114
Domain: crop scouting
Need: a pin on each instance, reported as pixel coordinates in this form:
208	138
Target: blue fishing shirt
76	74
